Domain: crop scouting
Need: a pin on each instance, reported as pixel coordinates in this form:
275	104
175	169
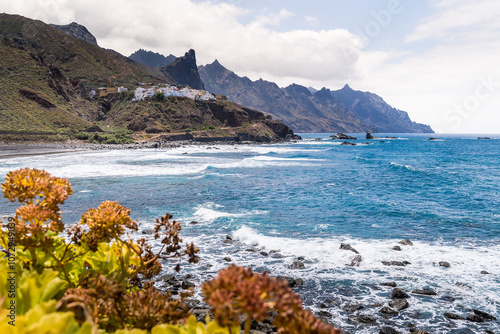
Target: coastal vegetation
96	276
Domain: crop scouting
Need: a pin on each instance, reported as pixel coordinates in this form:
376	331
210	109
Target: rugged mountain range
373	110
152	59
46	77
294	105
309	110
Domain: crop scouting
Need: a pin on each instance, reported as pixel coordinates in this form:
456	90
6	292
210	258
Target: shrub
92	278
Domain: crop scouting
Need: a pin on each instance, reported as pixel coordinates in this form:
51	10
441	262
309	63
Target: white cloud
459	20
212	29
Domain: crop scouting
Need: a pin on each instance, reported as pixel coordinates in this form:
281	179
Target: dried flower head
238	291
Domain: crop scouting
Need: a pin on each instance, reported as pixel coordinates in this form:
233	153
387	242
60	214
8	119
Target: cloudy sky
436	59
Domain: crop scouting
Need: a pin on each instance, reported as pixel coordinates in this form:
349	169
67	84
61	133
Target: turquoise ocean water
305	199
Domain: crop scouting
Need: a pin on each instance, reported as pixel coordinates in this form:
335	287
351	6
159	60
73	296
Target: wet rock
297	265
453	316
362	319
388	310
348	247
356	261
324	314
347	143
406	242
193	222
351	308
425	292
167	278
299	282
227	259
396	263
388	330
396	248
369	135
277	256
484	272
301	258
250	250
444	264
475	318
399	304
200	314
343	136
228	237
418	331
227	241
432	138
398	293
448	298
263	254
291	282
391	284
484	315
148	232
463	286
186	284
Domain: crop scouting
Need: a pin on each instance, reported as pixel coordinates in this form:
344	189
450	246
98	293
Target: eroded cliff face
77	31
184	71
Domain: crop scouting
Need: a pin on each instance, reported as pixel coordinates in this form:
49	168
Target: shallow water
305	198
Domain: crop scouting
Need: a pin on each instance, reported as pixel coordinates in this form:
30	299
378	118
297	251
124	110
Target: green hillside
46	77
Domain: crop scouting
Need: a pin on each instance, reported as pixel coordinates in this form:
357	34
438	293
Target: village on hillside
167	90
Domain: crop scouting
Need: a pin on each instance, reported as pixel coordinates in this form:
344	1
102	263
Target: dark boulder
398	293
399	304
475	318
463	286
351	308
343	136
484	272
388	310
362	319
406	242
356	261
369	135
227	259
297	265
425	292
388	330
396	263
348	247
347	143
391	284
444	264
484	315
396	248
453	316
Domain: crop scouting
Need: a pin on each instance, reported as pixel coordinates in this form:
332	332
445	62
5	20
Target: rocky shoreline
23	149
377	317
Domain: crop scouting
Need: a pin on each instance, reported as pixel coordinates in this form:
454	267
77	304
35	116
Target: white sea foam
329	262
210	212
408	167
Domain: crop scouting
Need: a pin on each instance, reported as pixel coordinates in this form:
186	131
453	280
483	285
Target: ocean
305	198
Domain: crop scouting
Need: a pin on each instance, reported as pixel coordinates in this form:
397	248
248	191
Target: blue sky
436	59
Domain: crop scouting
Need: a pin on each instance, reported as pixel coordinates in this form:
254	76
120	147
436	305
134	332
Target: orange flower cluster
41	195
106	223
238	292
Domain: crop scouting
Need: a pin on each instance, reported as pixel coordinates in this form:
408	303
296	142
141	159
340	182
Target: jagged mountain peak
184	71
78	31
